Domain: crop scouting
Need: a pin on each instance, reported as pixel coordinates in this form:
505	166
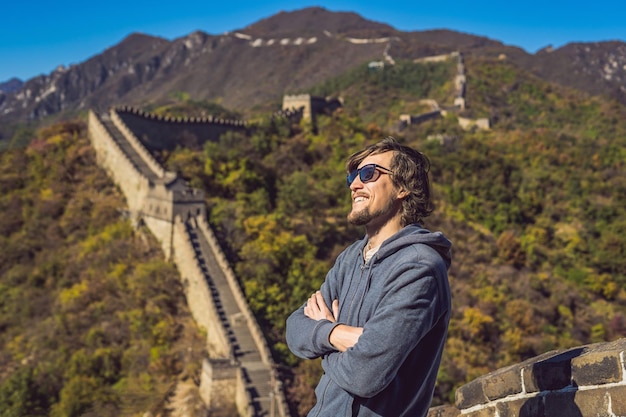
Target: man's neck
376	235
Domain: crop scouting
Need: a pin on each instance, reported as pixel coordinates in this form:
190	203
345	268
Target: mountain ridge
288	52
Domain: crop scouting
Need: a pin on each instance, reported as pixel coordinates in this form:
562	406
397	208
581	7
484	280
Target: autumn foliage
91	315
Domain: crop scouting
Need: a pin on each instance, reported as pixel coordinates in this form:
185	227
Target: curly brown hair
410	173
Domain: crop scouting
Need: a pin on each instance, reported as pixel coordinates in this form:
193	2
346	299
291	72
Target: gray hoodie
401	298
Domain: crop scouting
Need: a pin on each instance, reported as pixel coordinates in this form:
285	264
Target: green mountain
535	207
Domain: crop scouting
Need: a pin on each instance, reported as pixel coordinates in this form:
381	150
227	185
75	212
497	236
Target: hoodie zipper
328	381
365	265
369	264
321	403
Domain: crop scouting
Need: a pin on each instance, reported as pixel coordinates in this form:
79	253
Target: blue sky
37	36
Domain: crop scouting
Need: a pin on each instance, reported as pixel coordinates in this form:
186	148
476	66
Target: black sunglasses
367	173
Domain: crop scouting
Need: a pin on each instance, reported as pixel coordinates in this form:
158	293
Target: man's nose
356	184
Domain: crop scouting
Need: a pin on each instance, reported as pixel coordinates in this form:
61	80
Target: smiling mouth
359	199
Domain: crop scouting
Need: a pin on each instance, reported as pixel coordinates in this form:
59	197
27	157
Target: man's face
376	201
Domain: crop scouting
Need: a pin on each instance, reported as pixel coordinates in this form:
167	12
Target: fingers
315	300
312	309
319	298
317	309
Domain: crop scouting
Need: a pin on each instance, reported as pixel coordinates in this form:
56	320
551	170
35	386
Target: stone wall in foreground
580	382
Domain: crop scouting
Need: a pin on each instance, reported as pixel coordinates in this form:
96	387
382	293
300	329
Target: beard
365	216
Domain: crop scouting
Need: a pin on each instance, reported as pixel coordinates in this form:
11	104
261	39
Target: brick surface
593	402
617	396
569	383
470	394
597	367
562	404
551	373
526	368
488	411
503	382
615	346
444	411
528	407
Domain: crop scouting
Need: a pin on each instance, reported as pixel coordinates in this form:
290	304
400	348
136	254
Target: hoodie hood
413	234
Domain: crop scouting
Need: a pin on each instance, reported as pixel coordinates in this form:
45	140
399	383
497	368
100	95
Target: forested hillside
535	207
93	320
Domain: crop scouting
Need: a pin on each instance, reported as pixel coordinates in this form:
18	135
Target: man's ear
402	194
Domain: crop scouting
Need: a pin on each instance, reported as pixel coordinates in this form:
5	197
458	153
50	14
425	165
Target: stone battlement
459	99
166	133
309	105
298	41
586	381
239	373
181	120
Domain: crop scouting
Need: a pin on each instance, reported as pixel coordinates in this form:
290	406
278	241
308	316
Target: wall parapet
119	166
291	113
146	156
237	292
469	124
584	381
409	120
460	102
310	105
255	329
99	132
180	120
437	58
161	133
198	296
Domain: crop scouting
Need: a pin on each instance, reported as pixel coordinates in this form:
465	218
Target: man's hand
317	309
342	337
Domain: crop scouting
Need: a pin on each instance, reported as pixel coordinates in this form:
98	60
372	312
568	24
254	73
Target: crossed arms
364	360
342	337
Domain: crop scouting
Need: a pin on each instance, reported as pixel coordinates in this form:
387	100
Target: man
380	319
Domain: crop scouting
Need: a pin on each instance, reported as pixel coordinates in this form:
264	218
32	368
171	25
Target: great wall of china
239	373
308	103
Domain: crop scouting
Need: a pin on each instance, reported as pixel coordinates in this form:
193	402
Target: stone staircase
128	150
245	351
